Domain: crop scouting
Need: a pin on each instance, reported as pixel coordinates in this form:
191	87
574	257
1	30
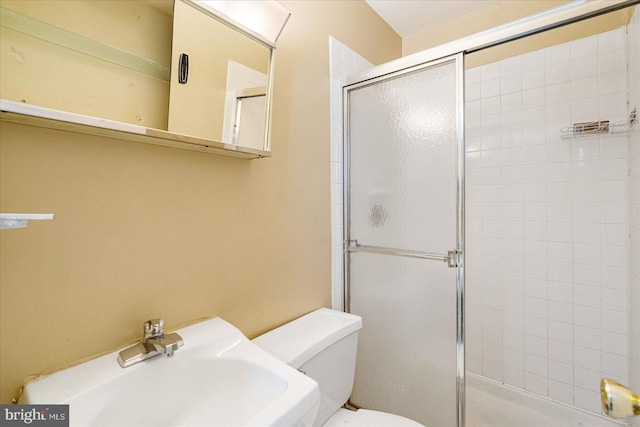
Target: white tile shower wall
547	218
633	43
343	62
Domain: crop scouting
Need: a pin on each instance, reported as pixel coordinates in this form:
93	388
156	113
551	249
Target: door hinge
454	258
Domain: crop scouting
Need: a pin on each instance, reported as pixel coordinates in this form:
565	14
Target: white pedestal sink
218	378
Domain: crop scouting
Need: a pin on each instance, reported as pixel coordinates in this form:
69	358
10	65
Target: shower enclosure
546	236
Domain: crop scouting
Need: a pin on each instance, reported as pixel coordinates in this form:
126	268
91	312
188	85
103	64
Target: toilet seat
366	418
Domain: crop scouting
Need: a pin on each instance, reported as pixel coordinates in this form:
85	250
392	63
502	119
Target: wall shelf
21	220
599	127
31	115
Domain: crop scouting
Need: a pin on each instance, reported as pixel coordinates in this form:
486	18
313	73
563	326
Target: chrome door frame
460	248
458	252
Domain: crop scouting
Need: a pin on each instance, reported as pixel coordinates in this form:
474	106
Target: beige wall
489	17
144	231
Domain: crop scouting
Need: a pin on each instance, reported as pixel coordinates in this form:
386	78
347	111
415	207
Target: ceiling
408	17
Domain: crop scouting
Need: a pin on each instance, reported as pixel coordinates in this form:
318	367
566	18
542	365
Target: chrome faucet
153	343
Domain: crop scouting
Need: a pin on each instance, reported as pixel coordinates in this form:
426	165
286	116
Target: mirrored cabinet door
219	80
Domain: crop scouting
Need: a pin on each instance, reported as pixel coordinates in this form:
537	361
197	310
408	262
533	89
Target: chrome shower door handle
618	401
354	246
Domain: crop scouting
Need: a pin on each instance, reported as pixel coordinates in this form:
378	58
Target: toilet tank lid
299	340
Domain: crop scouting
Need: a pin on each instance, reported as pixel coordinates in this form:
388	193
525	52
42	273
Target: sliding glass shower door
404	240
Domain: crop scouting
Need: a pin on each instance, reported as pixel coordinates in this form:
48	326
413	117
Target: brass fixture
617	400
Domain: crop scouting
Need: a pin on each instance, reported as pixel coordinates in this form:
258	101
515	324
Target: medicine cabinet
141	70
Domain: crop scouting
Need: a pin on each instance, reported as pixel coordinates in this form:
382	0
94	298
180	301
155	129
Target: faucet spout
166	344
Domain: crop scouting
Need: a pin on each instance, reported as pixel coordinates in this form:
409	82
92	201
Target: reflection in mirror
249	116
57	54
245	106
221	60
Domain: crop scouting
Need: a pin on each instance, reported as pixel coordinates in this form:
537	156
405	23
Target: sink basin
218	378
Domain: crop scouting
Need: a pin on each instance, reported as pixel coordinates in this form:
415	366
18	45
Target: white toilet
323	345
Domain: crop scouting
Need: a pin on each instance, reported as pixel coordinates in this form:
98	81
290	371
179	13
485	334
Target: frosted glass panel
407	346
403	141
403	183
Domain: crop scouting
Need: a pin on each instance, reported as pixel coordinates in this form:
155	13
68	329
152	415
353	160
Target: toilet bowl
323	345
366	418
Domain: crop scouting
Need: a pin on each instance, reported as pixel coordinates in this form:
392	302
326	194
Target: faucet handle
153	328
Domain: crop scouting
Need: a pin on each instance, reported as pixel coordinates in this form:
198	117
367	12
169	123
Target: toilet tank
323	345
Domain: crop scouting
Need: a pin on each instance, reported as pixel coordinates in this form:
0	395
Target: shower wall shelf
12	220
600	127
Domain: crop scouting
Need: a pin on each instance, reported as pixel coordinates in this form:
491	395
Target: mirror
223	92
120	60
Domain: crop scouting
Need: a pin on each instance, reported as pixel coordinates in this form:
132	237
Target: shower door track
574	11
